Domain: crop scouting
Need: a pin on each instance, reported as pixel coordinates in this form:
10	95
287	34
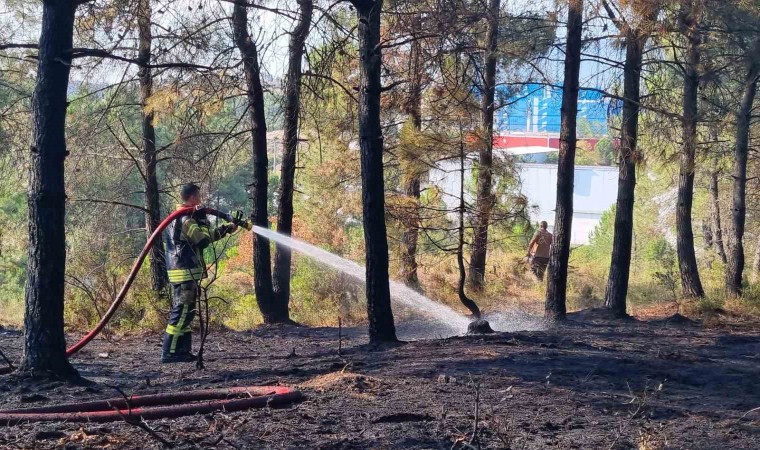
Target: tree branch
111	202
261	7
392	85
100	53
10	46
338	83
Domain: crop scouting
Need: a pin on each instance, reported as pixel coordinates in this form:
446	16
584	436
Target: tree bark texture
485	197
715	221
262	270
282	255
410	235
556	288
735	268
152	197
44	340
687	259
379	312
620	265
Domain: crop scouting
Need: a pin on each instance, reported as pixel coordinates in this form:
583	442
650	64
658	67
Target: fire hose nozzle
236	217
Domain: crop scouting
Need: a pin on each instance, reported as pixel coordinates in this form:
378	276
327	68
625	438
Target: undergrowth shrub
13	252
243	313
319	295
12	308
746	305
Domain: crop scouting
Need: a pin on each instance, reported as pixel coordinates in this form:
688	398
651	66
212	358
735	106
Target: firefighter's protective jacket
187	237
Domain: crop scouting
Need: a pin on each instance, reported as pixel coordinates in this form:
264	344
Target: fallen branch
747	413
475	440
141	424
138	421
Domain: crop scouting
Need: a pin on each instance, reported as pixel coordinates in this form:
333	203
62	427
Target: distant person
539	250
188	237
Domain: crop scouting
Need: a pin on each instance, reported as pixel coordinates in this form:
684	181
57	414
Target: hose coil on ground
157	406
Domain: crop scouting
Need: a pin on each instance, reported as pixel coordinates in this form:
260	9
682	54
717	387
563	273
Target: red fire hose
148	407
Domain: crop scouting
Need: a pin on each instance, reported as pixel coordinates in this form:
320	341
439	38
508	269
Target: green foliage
661	259
244	312
710	304
12	250
608	153
600	244
143	309
232	188
654	271
603	153
660	253
313	288
749	303
522	40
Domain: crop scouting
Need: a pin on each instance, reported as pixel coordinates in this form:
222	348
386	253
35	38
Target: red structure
512	141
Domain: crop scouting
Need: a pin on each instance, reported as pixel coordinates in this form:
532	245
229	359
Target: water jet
399	292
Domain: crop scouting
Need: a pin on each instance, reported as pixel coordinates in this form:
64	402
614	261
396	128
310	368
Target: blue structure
535	109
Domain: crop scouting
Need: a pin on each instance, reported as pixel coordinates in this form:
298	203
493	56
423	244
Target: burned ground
590	384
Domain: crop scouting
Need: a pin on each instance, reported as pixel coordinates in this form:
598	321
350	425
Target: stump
480	326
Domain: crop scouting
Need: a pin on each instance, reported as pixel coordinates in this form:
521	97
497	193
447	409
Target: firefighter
187	237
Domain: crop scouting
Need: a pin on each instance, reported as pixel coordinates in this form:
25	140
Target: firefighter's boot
185	346
169	356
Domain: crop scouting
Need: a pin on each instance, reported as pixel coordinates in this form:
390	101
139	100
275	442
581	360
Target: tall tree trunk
152	199
556	288
379	312
485	197
282	255
413	107
44	339
715	222
741	148
620	265
262	270
466	301
707	234
410	235
687	259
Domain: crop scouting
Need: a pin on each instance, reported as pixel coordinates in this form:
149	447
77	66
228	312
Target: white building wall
446	177
594	193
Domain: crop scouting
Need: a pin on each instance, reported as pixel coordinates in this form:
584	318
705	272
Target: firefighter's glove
238	217
230	228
